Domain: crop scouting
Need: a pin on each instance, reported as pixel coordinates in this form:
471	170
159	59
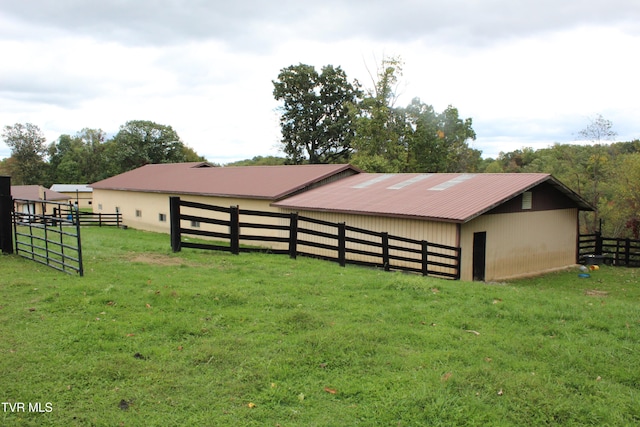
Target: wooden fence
293	234
89	218
615	251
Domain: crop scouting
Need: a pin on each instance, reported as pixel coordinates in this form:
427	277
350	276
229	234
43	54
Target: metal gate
48	233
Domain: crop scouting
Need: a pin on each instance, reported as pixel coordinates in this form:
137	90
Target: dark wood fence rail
89	218
299	235
616	251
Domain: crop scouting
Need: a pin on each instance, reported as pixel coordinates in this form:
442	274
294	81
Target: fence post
6	206
174	212
385	251
80	265
342	244
425	256
458	264
598	248
234	221
627	252
293	235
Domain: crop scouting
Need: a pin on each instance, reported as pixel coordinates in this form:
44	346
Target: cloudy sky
528	72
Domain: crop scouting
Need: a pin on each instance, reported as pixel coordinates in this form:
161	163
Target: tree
455	134
28	149
78	159
596	131
317	113
411	139
380	144
141	142
65	156
427	143
190	155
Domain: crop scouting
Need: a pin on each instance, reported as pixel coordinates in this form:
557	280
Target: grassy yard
153	338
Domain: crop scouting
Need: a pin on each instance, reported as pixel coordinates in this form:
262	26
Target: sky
530	73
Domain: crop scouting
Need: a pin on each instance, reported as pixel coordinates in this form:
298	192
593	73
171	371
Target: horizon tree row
88	156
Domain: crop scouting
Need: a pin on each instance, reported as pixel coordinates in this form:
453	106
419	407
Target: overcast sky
528	72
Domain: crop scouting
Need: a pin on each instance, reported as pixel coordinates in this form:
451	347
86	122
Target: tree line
88	156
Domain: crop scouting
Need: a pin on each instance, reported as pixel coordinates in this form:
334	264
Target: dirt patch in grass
596	293
156	259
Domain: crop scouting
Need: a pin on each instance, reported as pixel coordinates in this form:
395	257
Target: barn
142	195
507	225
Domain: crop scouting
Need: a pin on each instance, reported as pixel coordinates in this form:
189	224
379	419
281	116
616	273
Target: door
479	255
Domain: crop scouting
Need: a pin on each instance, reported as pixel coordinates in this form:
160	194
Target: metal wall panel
521	244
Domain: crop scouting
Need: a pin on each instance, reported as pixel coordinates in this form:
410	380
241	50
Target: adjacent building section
28	197
142	195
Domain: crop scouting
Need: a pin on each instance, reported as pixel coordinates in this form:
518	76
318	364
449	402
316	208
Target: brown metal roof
36	192
442	196
260	182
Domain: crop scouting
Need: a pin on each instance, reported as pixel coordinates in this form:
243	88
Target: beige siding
84	199
143	210
520	244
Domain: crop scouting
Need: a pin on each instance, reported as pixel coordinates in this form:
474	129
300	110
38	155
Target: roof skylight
372	181
453	181
409	181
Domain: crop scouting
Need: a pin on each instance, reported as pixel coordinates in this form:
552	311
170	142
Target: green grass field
197	338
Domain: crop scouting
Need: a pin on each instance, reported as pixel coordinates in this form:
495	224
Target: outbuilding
507	225
80	194
30	199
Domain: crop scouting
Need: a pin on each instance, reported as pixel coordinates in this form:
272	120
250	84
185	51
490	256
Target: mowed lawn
153	338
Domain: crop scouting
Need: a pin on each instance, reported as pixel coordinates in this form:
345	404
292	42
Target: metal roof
71	188
259	182
441	196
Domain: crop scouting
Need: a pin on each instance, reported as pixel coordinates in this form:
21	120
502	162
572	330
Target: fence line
89	218
293	234
617	251
47	239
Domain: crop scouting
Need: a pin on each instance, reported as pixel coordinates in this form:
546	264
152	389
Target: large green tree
28	152
78	159
317	113
438	142
141	142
